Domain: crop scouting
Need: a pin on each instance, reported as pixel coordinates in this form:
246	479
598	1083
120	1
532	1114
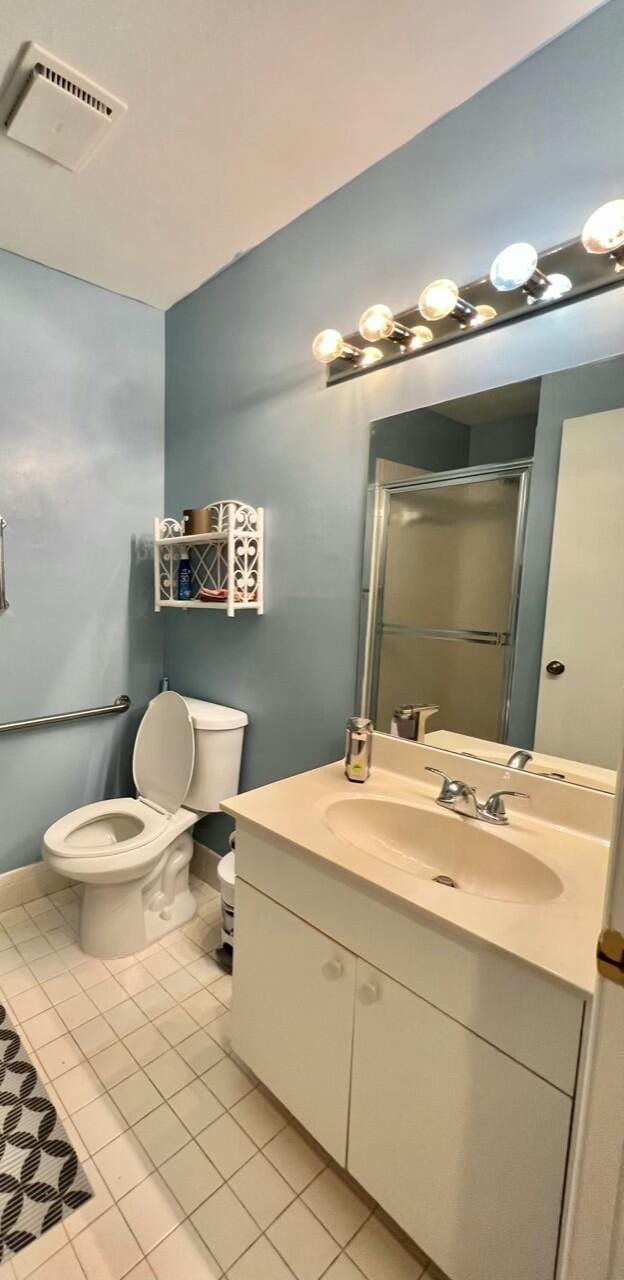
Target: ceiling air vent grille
70	86
56	110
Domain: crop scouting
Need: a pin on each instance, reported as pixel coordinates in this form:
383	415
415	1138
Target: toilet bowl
133	855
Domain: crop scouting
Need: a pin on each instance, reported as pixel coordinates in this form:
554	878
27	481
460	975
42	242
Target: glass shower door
446	599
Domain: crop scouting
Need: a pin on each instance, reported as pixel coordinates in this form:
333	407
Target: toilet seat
127	834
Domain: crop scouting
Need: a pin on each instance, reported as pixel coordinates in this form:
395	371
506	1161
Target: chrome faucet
462	799
519	760
410	722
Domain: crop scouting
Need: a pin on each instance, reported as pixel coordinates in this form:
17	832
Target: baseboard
24	884
204	864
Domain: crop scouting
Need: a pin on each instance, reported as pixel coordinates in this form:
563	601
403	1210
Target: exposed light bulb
604	230
368	356
556	285
513	266
484	313
438	299
330	345
421	335
376	322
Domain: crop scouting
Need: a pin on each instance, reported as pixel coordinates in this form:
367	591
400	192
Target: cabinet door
464	1147
292	1014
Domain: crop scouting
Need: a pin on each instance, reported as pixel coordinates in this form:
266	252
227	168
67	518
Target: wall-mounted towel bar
117	707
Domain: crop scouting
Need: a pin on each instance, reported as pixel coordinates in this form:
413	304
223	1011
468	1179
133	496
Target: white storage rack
228	559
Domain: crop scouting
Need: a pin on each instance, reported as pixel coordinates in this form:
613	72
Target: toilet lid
164	752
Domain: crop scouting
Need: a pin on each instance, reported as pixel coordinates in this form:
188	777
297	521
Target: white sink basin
429	843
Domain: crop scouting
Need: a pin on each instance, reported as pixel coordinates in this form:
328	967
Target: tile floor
197	1174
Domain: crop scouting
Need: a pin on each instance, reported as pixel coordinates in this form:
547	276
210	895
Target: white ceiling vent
55	110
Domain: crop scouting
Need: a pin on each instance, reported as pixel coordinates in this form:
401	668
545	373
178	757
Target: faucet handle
494	806
452	788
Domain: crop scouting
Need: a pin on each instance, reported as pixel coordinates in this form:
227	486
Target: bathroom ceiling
241	116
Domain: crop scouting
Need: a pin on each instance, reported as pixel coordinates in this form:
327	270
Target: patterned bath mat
41	1180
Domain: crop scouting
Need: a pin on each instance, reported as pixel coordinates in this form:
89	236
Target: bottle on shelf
184	576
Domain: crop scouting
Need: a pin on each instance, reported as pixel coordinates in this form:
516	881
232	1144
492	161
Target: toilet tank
218	748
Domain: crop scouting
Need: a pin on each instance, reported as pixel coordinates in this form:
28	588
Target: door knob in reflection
555	668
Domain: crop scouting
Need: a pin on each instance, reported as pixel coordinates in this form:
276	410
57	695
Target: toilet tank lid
211	715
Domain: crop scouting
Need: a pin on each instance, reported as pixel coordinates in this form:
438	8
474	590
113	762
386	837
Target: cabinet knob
332	970
555	668
369	993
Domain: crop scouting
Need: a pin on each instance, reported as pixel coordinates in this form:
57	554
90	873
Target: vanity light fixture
441	298
604	232
379	322
556	285
329	345
516	268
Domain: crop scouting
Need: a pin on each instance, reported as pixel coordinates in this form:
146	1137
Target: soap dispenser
358	749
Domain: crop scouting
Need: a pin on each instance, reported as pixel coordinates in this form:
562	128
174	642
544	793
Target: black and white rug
41	1180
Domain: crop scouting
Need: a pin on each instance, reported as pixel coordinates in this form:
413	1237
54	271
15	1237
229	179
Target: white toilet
133	855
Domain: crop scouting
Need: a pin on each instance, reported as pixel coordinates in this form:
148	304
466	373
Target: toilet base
119	920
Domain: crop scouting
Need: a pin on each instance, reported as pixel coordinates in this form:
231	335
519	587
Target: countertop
557	937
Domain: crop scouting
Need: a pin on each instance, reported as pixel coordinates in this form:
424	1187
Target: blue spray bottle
184	576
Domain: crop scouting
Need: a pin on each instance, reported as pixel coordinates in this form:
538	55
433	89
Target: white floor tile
175	1025
107	994
60	1055
77	1010
161	1133
258	1116
126	1017
43	1028
336	1205
93	1036
303	1242
196	1106
294	1157
32	949
107	1249
220	1030
78	1087
135	978
136	1097
94	1208
261	1262
90	974
381	1256
17	981
61	988
225	1226
154	1000
203	1007
29	1003
170	1073
181	984
227	1145
228	1081
98	1123
146	1044
123	1164
184	951
27	1261
113	1065
262	1190
142	1272
49	966
161	965
206	970
343	1269
222	989
183	1256
200	1052
63	1266
191	1176
151	1211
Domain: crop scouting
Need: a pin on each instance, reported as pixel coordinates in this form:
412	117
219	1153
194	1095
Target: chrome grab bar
117	707
4	604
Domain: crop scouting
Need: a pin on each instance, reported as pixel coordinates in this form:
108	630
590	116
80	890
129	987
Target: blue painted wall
247	411
81	477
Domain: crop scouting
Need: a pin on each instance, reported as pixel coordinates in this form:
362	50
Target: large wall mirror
493	574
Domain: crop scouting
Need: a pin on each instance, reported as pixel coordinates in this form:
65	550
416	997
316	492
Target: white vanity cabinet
294	1014
455	1118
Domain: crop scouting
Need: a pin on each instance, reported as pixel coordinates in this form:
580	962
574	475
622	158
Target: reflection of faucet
462	799
519	760
410	722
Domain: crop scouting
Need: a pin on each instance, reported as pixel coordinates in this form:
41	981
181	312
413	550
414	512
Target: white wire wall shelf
226	563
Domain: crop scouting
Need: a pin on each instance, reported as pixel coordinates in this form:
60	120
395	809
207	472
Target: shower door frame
375	552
